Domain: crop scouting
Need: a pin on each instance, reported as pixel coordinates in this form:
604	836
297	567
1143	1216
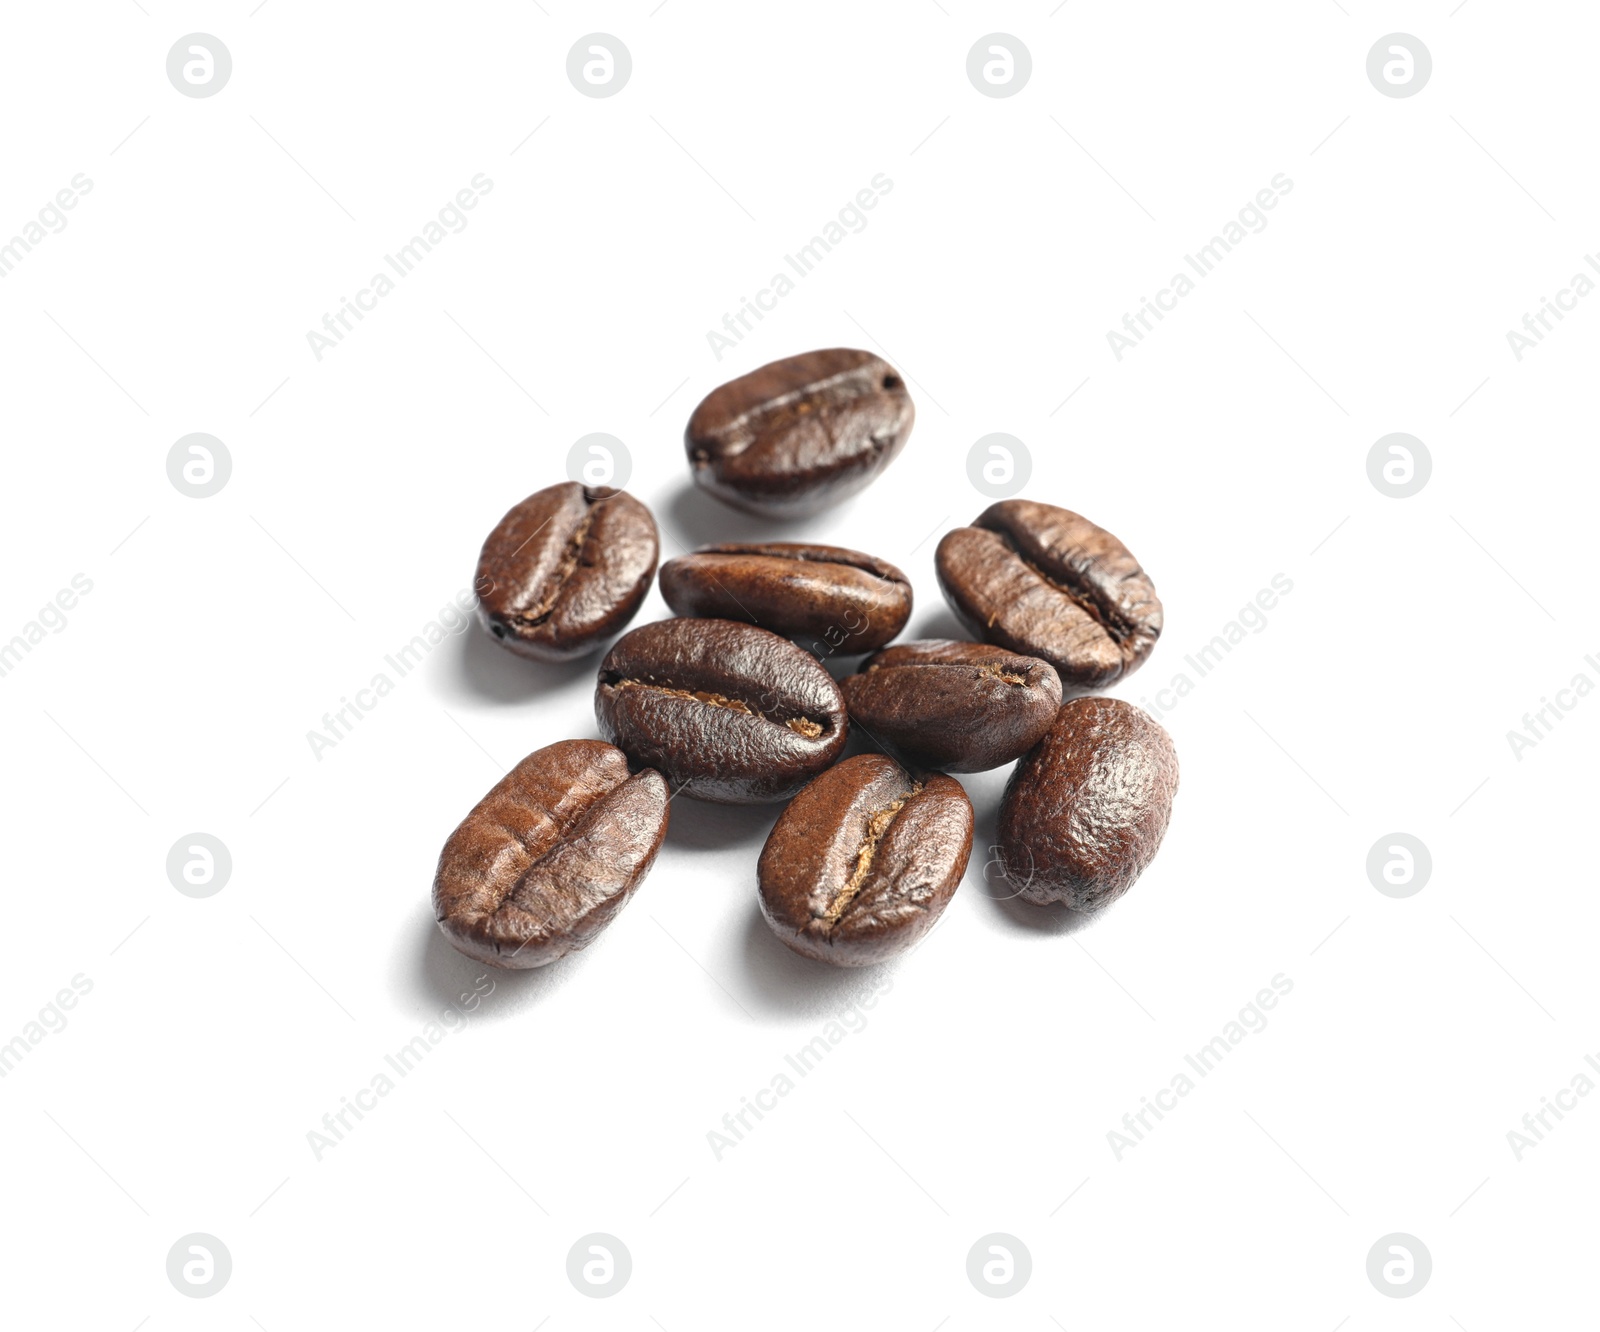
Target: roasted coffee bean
1084	813
953	707
566	569
830	598
862	862
548	857
728	712
1045	582
800	434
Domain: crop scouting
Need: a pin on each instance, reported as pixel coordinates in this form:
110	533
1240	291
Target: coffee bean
862	862
566	569
799	434
953	707
728	712
548	857
1084	813
1048	583
830	598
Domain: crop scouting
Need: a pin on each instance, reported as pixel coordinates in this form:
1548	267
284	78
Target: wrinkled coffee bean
565	569
862	862
727	712
830	598
1048	583
799	434
548	857
1085	812
953	707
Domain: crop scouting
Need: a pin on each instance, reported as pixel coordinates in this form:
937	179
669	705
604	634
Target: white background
979	1096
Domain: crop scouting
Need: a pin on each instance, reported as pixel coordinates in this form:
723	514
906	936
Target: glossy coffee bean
862	862
565	570
831	599
546	859
953	707
727	712
799	434
1048	583
1084	813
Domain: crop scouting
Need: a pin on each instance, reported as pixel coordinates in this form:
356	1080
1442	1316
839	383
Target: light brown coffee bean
862	862
566	569
1048	583
545	861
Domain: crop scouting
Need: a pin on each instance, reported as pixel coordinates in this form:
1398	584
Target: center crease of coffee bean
565	835
869	849
1083	600
822	397
995	673
802	400
800	725
571	553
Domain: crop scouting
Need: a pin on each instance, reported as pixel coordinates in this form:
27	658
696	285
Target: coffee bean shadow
480	667
837	664
1055	918
696	518
781	983
442	979
698	825
937	622
860	741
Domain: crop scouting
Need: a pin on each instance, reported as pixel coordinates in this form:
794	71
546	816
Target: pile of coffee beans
721	704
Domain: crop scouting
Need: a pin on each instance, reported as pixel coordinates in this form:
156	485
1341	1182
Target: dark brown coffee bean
1085	812
548	857
864	859
728	712
1048	583
566	569
953	707
800	434
830	598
